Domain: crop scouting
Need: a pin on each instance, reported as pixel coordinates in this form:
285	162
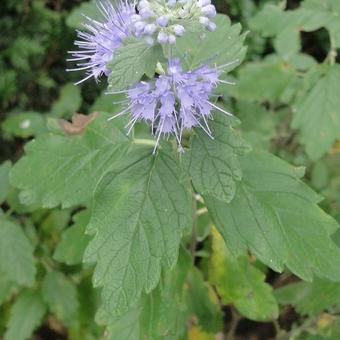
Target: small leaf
68	103
60	294
131	61
310	298
318	115
16	254
213	163
26	315
241	284
73	242
276	217
63	169
138	217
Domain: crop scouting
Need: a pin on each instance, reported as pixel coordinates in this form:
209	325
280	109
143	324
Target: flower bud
203	3
209	10
162	38
178	30
212	26
135	18
162	21
150	41
139	26
204	21
150	29
171	3
171	39
146	13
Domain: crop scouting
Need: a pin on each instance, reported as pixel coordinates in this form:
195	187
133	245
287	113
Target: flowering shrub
169	211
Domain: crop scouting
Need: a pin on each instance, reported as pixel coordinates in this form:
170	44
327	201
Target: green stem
332	53
142	141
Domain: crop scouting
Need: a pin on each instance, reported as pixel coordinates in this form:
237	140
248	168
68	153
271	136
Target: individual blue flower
175	101
98	43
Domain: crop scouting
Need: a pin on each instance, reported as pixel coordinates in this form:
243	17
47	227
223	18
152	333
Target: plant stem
193	243
235	318
142	141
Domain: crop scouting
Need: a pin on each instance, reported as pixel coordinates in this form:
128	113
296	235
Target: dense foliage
105	236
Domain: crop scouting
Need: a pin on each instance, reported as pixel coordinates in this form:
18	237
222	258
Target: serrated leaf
223	46
318	115
131	61
60	295
26	315
162	314
241	284
73	241
16	254
6	286
213	163
4	180
63	169
310	298
276	217
139	215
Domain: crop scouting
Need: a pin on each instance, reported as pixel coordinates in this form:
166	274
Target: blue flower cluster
176	100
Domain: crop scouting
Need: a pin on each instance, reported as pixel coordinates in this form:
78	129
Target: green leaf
310	298
76	17
203	302
60	295
5	167
139	215
16	254
131	61
162	314
68	103
65	169
223	46
213	163
276	217
264	81
6	287
241	284
24	124
318	115
73	242
26	315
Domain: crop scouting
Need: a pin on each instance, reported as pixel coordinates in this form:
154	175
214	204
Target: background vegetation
284	108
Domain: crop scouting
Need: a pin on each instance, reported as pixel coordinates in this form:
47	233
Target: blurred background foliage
285	58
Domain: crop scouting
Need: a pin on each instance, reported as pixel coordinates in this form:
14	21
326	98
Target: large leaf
73	241
241	284
221	47
64	169
60	294
318	115
213	163
5	167
131	61
16	254
276	217
160	315
139	215
26	314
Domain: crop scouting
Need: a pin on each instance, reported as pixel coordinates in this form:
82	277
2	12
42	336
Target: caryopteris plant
164	184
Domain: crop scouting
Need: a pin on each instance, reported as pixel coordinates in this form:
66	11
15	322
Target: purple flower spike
98	43
175	101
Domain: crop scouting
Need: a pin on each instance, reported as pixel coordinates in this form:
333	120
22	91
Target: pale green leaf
213	163
241	284
60	295
16	254
318	115
221	47
64	169
275	215
138	217
73	241
24	124
131	61
26	315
